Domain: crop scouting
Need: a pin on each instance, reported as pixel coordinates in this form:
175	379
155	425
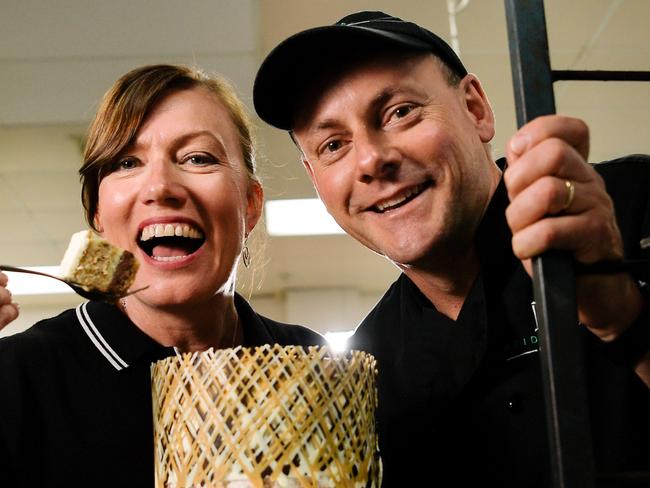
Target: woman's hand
8	309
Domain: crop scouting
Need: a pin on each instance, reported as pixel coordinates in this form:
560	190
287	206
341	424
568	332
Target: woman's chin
168	295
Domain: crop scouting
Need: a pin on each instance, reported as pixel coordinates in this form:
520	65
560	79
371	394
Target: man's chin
404	249
406	257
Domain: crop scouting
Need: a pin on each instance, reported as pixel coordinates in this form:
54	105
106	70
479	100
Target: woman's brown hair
126	105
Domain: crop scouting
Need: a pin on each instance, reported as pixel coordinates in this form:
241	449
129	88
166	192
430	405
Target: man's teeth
399	199
170	230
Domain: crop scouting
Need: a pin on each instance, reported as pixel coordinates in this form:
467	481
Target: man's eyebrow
386	94
326	124
378	100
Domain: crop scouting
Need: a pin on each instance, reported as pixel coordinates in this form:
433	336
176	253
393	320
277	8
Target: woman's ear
478	107
255	201
97	222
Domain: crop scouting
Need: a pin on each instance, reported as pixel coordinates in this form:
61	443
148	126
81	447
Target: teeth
170	230
168	258
399	199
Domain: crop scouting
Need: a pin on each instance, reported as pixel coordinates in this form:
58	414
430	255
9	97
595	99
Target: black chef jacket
461	402
75	396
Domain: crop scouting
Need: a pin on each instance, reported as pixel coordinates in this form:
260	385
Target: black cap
290	67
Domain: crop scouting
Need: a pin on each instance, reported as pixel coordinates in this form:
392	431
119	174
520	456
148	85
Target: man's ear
478	107
255	200
310	170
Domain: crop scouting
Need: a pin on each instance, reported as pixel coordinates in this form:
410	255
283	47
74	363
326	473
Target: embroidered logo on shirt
523	346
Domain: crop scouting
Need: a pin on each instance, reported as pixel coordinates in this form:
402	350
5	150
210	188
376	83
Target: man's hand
8	309
547	157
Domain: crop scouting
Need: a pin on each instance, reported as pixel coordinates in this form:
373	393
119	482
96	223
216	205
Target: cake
266	417
97	265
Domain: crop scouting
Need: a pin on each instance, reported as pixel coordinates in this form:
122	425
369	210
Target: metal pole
567	417
600	75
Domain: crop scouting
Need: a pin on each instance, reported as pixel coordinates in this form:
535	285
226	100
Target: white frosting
78	244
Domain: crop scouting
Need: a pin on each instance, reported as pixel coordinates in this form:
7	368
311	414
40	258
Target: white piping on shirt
97	339
532	351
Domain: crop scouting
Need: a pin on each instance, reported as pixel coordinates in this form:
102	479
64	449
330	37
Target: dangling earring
246	254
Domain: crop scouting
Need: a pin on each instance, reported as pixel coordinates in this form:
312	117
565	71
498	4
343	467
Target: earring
246	254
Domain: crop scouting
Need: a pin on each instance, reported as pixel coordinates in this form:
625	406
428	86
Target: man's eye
333	146
403	111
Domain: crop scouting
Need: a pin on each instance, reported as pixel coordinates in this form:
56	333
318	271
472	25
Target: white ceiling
57	59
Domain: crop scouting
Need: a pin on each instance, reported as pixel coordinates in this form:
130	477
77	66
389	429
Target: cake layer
95	264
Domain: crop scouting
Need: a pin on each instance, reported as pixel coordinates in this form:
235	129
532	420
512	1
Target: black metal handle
567	415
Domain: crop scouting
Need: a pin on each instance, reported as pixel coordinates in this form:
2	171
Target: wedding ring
570	193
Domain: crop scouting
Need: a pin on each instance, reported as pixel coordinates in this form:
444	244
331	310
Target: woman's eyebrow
195	135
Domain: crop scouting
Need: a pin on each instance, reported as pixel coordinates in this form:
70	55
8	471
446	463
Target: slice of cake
97	265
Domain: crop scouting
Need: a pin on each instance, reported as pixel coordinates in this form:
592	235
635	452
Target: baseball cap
290	67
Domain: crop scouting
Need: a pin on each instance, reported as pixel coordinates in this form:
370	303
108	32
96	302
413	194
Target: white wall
34	308
322	309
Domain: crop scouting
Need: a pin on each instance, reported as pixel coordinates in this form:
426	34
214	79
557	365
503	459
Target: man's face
398	157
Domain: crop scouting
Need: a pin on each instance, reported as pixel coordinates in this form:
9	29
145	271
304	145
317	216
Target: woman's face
180	200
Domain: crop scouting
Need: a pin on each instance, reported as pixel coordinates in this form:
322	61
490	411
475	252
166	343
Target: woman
168	174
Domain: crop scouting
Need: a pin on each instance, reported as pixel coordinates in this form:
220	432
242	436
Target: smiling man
394	133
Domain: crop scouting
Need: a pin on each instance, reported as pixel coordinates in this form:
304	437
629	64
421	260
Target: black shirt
75	407
461	403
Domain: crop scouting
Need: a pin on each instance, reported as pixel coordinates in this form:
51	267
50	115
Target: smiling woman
169	175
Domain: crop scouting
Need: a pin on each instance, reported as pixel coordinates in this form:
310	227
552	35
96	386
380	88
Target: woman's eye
199	160
125	164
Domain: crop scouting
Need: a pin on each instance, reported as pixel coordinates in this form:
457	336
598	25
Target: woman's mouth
170	241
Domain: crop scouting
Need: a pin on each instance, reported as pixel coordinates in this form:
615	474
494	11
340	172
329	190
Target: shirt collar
256	333
116	338
493	236
122	343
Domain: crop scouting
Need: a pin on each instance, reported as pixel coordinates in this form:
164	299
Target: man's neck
447	286
445	277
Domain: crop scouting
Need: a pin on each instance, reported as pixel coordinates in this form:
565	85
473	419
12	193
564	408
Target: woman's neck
188	327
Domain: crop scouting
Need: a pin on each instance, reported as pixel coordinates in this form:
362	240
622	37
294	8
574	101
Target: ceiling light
299	217
338	341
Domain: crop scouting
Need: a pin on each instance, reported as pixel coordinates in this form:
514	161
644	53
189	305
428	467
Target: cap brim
289	68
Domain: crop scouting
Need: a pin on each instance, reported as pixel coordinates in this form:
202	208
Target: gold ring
570	193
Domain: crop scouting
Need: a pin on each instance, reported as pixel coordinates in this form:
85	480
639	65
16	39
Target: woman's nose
162	184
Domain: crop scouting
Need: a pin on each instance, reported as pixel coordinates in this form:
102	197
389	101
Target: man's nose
163	183
376	158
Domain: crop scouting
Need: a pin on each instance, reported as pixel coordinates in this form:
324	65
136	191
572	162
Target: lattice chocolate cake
270	416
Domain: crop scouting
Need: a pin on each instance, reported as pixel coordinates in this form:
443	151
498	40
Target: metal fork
76	287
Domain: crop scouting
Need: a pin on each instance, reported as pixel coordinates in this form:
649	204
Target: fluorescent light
29	284
338	341
299	217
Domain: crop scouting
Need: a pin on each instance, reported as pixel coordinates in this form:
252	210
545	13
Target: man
394	134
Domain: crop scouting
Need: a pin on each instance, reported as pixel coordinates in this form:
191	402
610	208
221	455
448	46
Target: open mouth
401	199
170	241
